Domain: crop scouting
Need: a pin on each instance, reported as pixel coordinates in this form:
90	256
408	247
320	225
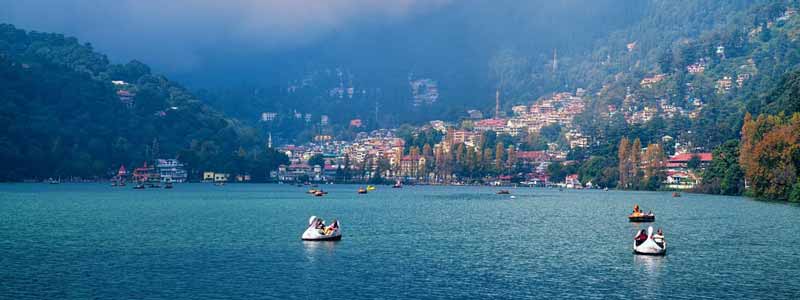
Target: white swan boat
653	245
317	231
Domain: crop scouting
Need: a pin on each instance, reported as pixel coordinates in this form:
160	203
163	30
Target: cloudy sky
195	40
186	29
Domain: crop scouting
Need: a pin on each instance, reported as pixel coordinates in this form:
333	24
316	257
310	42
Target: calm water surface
80	241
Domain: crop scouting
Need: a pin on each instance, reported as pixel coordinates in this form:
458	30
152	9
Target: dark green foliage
61	116
316	160
693	163
724	176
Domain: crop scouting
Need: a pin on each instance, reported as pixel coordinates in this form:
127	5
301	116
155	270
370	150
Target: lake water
197	241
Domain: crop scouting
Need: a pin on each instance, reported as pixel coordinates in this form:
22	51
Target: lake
242	241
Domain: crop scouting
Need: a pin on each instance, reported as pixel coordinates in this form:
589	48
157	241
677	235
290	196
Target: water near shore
243	242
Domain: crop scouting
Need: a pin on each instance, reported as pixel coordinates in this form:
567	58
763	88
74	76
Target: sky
185	30
197	40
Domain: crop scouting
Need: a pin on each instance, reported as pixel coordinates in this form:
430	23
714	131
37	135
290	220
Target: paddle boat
647	243
317	231
638	216
371	188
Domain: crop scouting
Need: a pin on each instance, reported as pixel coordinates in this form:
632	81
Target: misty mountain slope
452	54
63	116
698	85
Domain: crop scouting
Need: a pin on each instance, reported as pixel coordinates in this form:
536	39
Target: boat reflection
651	265
315	249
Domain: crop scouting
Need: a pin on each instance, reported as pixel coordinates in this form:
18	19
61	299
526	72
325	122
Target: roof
532	155
685	157
491	123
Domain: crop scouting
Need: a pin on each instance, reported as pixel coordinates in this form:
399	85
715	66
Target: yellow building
208	176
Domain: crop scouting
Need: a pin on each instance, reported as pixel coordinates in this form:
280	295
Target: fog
207	42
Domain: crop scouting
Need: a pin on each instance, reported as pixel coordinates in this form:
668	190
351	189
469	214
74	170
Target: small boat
168	185
676	194
319	193
139	186
605	189
649	244
362	191
504	192
371	188
219	183
317	231
397	185
639	216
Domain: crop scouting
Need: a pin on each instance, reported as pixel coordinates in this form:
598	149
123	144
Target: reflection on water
651	265
316	249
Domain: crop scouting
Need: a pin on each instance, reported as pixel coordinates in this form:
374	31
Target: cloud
177	34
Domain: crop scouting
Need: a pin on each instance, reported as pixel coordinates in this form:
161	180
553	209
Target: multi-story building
171	170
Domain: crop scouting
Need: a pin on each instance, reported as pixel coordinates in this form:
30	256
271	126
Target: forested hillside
63	116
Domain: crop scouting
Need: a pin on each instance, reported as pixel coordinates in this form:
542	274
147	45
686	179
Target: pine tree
624	163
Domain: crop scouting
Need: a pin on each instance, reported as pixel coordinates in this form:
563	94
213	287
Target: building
145	173
215	177
572	182
682	160
496	125
650	81
475	114
413	166
126	98
681	180
268	116
221	177
171	170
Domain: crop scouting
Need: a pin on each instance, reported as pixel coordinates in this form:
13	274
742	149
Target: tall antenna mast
555	59
497	104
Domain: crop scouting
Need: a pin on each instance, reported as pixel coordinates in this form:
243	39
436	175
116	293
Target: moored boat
647	243
317	231
676	194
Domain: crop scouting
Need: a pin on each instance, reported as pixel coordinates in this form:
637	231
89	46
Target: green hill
63	116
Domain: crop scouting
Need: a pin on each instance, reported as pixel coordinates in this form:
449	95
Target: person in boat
641	237
659	238
636	209
650	212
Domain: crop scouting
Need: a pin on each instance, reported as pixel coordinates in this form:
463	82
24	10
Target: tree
316	160
623	157
694	162
724	175
772	160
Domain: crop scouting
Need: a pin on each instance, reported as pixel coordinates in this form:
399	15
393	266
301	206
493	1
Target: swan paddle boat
317	231
647	243
639	216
